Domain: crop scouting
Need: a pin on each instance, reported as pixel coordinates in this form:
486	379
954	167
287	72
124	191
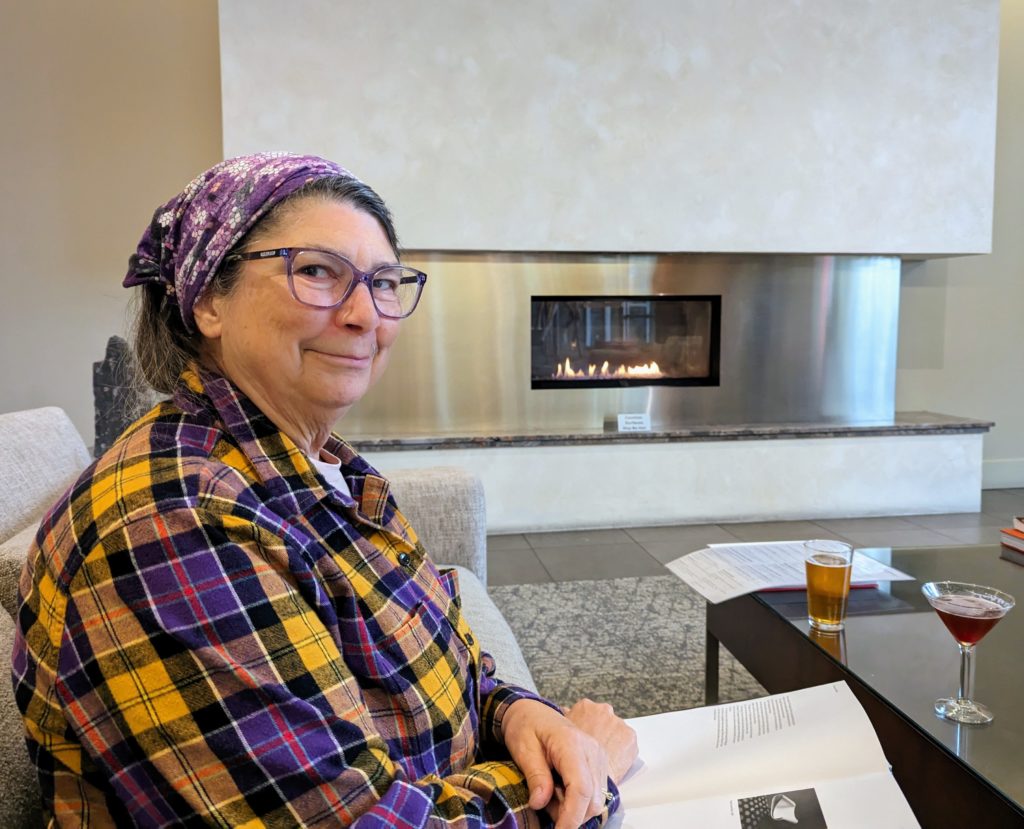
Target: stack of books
1013	541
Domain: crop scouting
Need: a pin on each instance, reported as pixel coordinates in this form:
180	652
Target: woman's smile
343	358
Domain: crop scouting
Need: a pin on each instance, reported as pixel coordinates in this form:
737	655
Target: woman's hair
164	346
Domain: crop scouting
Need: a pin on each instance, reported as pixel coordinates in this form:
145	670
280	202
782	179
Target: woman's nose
358	310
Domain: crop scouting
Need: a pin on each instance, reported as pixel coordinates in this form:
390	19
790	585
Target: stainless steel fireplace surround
803	339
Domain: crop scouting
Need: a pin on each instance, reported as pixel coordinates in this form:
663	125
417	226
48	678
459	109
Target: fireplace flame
565	371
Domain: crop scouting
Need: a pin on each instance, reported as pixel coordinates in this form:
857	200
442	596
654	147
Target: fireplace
750	339
620	341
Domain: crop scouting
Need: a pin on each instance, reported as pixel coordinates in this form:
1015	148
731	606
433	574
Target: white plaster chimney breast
833	126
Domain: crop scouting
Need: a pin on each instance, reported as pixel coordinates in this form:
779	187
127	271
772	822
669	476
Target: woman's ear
207	313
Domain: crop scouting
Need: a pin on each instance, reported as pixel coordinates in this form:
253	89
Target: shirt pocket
414	640
427	659
423	667
399	647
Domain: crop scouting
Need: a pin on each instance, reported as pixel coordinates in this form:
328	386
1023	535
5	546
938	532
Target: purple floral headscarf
189	236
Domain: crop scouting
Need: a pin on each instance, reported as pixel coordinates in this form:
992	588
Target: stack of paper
724	571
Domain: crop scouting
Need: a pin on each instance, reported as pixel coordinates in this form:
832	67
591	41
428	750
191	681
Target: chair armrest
446	507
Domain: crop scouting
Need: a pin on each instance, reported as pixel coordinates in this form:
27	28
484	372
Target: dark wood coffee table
898	658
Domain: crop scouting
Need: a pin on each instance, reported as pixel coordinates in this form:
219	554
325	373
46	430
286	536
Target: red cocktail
968	618
969	611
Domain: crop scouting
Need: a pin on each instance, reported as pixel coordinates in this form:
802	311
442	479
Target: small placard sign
634	423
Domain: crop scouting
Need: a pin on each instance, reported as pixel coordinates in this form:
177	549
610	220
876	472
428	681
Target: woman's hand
542	741
599	720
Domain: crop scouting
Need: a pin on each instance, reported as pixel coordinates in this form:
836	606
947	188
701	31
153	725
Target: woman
227	620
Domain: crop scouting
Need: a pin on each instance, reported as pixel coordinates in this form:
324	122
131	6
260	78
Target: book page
724	571
788	741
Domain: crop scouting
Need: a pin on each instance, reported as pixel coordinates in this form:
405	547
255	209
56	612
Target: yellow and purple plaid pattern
209	635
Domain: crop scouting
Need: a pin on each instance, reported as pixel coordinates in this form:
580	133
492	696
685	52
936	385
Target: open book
808	759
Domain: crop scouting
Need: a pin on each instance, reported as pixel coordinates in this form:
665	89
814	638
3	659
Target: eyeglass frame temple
363	277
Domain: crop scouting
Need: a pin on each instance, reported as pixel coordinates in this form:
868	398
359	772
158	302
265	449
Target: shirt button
469	639
404	559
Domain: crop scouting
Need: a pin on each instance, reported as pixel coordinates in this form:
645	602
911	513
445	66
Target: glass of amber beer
828	565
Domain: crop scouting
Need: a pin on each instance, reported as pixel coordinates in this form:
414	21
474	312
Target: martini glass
969	611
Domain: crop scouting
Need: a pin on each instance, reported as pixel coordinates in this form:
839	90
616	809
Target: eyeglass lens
320	279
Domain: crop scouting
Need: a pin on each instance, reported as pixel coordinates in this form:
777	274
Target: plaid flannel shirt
209	635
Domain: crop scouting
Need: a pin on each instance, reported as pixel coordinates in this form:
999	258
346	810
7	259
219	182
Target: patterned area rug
636	643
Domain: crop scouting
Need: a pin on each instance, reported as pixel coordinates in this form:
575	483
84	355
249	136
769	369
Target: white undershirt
331	470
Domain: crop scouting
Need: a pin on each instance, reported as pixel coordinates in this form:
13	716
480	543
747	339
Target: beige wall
962	320
768	126
108	109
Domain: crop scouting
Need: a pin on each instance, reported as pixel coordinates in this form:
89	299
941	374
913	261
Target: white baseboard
1002	473
622	485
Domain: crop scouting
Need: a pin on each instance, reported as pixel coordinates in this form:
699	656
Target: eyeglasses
323	279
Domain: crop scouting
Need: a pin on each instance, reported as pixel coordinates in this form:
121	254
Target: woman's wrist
495	709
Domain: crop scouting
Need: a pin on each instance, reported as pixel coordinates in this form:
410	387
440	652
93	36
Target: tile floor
528	558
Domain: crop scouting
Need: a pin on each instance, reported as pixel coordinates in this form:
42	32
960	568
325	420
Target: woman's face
304	367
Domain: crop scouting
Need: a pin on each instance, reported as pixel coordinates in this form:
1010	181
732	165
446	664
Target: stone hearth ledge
904	424
920	463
